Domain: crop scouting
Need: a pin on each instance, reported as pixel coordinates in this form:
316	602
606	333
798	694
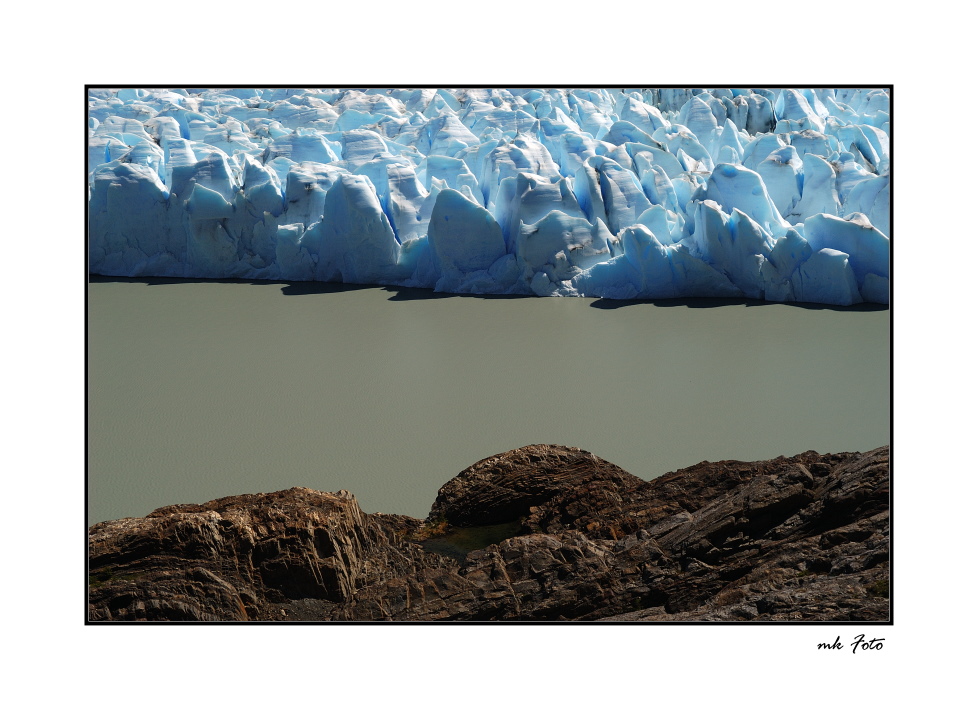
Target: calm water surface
199	390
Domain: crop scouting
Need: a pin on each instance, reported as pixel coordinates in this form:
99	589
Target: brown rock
504	487
542	532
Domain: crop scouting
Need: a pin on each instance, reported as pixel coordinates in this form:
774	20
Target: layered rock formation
538	533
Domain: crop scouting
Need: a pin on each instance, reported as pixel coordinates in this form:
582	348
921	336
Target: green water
460	541
199	390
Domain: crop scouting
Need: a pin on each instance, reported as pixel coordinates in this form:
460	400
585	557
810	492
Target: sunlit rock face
779	195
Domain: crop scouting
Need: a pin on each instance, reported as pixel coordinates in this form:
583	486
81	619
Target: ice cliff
781	195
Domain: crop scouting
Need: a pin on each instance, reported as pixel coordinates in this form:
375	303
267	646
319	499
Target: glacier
771	194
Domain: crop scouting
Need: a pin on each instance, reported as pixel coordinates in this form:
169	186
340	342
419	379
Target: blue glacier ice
773	194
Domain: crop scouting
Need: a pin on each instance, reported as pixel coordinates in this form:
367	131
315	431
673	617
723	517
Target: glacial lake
203	389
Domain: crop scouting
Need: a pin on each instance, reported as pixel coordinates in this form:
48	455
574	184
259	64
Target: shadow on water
310	288
424	294
306	288
403	293
289	288
399	293
709	302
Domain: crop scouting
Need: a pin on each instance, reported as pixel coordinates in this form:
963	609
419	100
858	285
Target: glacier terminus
773	194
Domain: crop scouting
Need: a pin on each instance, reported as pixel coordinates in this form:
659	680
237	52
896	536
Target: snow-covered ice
780	195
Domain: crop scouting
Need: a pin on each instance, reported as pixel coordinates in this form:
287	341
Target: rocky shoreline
540	533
